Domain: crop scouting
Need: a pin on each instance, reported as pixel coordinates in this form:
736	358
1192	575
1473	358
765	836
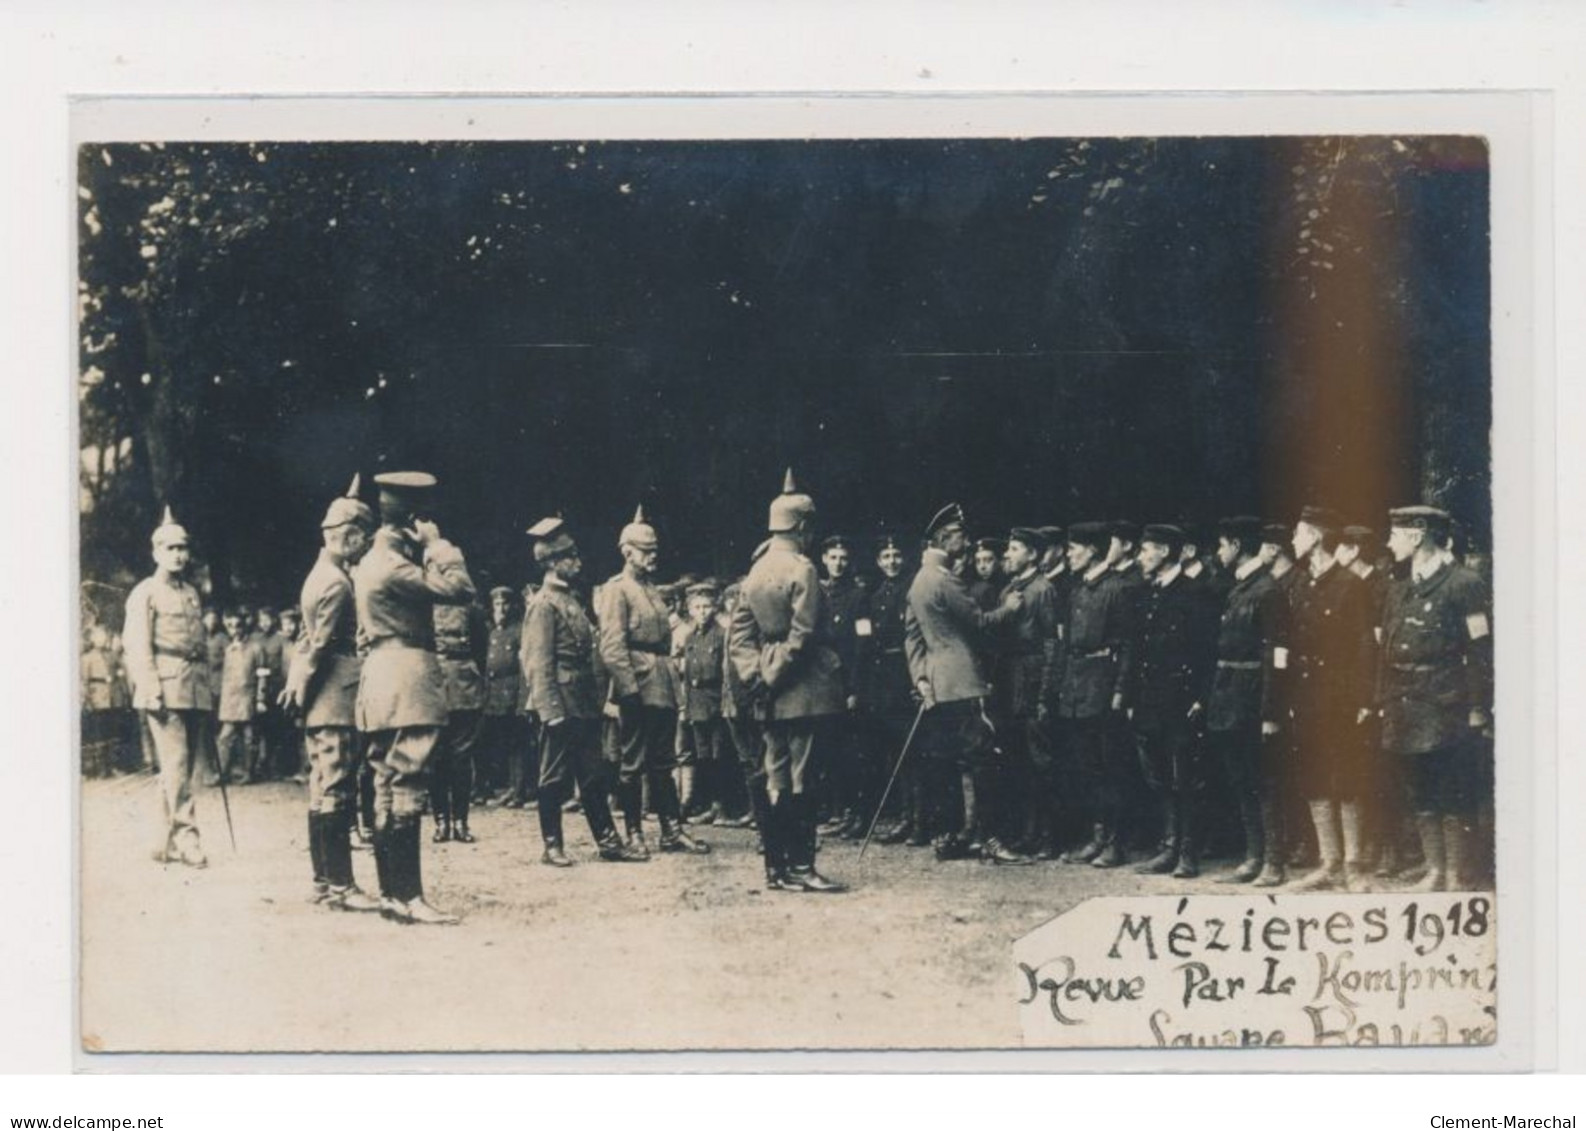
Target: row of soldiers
1097	659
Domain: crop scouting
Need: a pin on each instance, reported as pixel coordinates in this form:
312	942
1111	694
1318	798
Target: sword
887	792
225	801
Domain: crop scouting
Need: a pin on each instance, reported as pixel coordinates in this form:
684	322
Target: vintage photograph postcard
746	591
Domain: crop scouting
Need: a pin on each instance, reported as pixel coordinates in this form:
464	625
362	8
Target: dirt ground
681	952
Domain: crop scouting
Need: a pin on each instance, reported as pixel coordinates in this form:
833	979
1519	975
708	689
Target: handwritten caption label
1260	971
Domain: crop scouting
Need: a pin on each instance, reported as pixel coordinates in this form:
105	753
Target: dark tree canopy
1043	330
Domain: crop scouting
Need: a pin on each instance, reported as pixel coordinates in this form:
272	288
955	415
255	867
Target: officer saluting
559	665
1435	687
777	646
167	662
322	683
408	570
636	647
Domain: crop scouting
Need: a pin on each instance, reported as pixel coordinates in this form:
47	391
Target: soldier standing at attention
167	662
322	685
1435	689
506	737
242	686
401	708
778	648
743	730
1325	642
559	669
1233	716
461	644
945	635
887	691
1097	636
1166	686
636	648
704	651
839	770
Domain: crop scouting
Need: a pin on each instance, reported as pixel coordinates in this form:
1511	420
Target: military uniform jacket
984	592
166	647
944	632
1026	646
704	650
395	596
777	637
1097	638
1242	632
273	648
844	604
1436	659
503	672
884	684
462	645
327	647
97	675
1170	667
559	655
636	642
1323	648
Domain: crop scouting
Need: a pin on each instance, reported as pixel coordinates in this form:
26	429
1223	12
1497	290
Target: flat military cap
168	533
348	508
639	533
1323	518
706	588
1093	534
1054	535
995	545
1242	528
551	540
790	508
950	515
1124	530
1163	534
1275	534
888	542
835	542
1357	535
1033	537
503	591
1426	518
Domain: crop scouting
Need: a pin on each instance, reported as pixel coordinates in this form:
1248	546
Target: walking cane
885	793
225	801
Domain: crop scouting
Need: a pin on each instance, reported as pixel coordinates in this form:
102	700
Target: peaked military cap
950	515
1418	517
1323	518
1033	537
503	591
1093	534
403	489
551	540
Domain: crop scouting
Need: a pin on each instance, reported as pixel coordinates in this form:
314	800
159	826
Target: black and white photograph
863	593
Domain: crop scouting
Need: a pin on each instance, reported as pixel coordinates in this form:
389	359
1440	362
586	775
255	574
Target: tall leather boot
1189	863
1456	853
418	910
1329	876
687	786
800	853
668	810
630	799
1434	851
460	803
772	816
385	874
1273	873
549	807
1255	849
342	891
1166	858
1357	869
316	855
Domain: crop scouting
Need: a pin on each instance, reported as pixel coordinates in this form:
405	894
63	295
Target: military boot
1272	872
443	830
553	854
614	849
1357	872
1329	875
1088	851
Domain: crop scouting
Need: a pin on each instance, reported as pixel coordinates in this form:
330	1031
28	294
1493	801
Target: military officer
1097	637
635	646
1025	648
779	647
1165	688
559	667
322	685
401	706
462	642
167	663
945	637
1233	715
1325	641
1435	689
